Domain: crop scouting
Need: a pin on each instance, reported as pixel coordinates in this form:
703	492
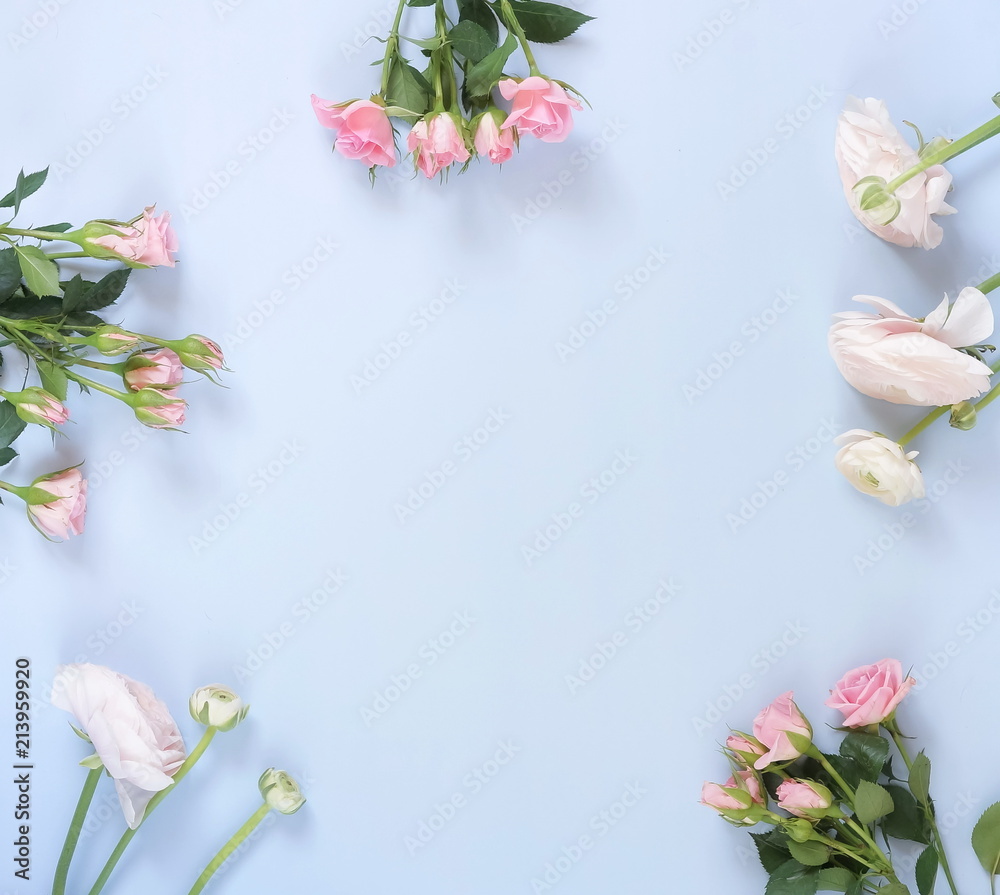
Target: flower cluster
54	323
828	811
932	361
138	744
453	107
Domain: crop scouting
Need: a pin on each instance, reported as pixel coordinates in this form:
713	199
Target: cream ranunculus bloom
217	706
132	732
900	359
869	145
878	466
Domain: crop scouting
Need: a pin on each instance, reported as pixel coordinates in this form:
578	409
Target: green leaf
483	75
894	889
40	272
6	455
907	820
419	2
811	853
986	839
105	291
547	23
471	41
920	778
926	870
791	878
55	228
25	187
73	293
868	750
36	496
478	11
836	879
54	379
771	854
871	802
409	89
847	768
11	425
10	273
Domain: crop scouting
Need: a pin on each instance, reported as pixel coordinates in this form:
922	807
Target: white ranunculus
878	466
869	145
217	706
133	734
893	356
280	791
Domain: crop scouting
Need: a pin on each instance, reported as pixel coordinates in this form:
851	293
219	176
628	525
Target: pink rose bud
732	799
363	129
492	140
199	353
772	727
804	798
113	340
869	694
146	241
158	409
437	142
64	514
35	405
745	748
541	108
153	369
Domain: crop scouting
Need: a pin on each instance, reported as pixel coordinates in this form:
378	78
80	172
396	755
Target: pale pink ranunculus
364	131
154	369
132	732
772	726
65	514
492	141
804	798
737	795
150	241
436	143
540	107
879	467
895	357
869	145
159	409
870	694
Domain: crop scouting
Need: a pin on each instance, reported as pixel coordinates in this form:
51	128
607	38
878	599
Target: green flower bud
963	415
280	791
112	340
217	706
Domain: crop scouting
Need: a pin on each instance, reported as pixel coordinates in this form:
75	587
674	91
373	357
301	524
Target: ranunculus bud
879	467
869	694
145	241
217	706
153	369
64	514
157	409
35	405
806	798
963	416
112	340
773	726
280	791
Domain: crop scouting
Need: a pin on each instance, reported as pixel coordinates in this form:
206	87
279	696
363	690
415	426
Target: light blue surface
445	598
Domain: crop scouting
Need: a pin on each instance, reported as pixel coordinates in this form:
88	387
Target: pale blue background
218	77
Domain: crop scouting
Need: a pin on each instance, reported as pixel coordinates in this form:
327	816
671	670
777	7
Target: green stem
98	365
73	833
127	836
957	147
990	284
234	843
510	20
813	752
36	234
99	386
897	738
848	851
391	47
864	834
54	255
938	412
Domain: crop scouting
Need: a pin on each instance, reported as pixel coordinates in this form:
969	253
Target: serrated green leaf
907	820
810	853
409	89
471	41
55	228
484	75
920	778
547	22
836	879
771	855
40	272
478	11
6	455
10	273
868	750
792	878
105	291
871	802
986	839
926	870
73	292
54	379
25	186
11	425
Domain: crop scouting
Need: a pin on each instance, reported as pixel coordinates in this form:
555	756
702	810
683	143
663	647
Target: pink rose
541	108
804	798
363	130
64	516
158	409
743	747
772	727
893	356
739	793
156	369
869	145
35	405
149	242
131	730
493	141
436	142
870	694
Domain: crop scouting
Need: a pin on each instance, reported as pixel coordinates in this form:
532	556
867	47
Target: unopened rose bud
217	706
35	405
153	369
799	830
280	791
963	415
145	241
199	353
157	409
112	340
878	205
807	799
